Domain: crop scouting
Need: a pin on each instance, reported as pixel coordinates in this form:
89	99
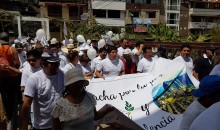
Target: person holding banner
145	64
185	57
207	94
76	110
111	66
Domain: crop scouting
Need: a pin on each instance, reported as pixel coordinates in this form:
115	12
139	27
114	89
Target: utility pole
90	8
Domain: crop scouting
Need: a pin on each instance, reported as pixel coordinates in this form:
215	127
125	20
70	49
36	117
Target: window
113	13
54	11
54	27
99	13
73	12
134	13
152	14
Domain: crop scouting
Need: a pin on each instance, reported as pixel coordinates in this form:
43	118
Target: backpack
3	60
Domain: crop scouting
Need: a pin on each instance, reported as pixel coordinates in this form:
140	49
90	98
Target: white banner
154	101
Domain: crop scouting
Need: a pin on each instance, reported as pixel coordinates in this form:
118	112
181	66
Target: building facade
141	13
109	13
67	10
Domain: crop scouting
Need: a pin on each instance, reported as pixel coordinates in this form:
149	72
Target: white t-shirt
27	72
120	51
45	90
136	58
187	61
193	110
95	62
110	68
71	66
22	58
215	70
145	65
208	119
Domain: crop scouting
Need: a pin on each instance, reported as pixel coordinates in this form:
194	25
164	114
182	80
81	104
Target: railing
201	25
173	7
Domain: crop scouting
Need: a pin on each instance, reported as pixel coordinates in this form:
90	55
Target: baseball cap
50	57
127	52
74	75
209	84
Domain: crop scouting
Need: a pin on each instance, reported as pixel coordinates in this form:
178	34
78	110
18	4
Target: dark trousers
9	91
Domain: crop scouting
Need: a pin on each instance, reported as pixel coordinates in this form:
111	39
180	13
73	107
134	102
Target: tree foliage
162	33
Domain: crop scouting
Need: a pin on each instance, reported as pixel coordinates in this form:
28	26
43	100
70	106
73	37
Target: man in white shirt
208	93
43	88
137	52
185	57
124	45
146	63
95	62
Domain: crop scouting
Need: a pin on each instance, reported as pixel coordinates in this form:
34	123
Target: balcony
204	12
154	21
111	22
173	7
108	5
142	6
201	25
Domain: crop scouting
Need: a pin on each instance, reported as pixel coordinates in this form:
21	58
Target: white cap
127	52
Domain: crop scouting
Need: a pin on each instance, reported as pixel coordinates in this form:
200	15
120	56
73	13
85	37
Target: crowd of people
49	80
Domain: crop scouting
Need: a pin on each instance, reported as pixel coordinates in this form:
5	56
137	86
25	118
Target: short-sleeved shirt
193	110
70	66
27	72
120	51
45	90
145	65
136	58
110	68
77	116
95	62
187	61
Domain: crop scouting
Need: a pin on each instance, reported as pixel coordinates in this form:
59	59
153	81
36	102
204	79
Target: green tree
162	33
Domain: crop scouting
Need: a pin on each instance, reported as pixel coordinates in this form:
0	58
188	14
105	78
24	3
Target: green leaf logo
128	106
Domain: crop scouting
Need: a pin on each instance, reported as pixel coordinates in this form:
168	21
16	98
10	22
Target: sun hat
209	84
127	52
74	75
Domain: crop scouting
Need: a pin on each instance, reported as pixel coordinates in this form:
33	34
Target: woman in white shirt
111	66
